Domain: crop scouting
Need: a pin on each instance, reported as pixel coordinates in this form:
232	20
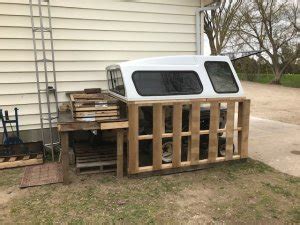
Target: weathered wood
195	138
213	134
96	108
64	139
20	163
120	143
157	136
177	128
229	130
97	113
243	121
133	132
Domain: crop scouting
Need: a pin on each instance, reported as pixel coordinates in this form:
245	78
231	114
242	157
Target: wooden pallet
95	159
94	107
18	161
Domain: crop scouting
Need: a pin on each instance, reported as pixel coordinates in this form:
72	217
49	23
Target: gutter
200	26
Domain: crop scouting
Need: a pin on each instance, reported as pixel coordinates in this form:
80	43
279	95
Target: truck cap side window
221	77
159	83
115	81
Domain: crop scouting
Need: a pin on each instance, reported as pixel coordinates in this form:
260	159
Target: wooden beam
177	128
133	132
19	163
163	123
114	125
213	134
64	139
195	138
157	136
120	159
229	130
243	121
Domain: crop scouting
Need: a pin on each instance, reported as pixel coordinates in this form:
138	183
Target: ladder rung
42	60
52	118
39	29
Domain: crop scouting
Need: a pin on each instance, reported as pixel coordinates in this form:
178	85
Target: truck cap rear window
221	77
160	83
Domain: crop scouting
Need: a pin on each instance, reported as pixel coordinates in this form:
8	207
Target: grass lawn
248	192
288	80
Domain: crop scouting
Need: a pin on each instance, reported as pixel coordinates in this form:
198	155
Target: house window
221	77
115	81
160	83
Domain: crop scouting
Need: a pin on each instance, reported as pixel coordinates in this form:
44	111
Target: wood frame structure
194	133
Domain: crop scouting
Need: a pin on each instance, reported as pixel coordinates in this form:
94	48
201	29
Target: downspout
200	26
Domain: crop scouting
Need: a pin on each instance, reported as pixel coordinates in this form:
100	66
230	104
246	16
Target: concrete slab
275	143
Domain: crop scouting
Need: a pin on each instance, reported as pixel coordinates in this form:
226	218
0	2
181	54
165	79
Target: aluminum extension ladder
47	89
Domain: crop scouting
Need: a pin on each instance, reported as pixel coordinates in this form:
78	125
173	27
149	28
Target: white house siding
88	36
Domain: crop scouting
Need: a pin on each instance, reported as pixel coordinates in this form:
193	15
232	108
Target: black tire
222	147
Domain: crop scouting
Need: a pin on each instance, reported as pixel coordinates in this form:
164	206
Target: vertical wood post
64	138
133	132
213	135
177	128
195	136
229	130
120	159
163	120
157	136
243	121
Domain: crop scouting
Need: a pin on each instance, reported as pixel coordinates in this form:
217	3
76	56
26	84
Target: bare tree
271	26
219	25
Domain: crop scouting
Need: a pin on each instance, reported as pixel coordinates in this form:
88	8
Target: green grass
249	192
288	80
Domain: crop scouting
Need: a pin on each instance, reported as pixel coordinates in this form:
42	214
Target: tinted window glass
156	83
221	77
115	81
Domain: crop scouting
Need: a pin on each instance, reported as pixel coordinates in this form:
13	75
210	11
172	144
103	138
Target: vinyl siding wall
88	36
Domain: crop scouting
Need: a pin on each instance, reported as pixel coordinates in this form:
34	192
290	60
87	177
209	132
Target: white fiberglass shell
174	63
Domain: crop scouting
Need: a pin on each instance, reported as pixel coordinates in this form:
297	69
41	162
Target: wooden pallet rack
91	159
94	107
20	160
193	134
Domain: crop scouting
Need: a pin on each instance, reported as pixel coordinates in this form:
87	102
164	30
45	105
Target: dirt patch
274	102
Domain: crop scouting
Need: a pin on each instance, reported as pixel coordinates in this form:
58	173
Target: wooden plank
177	128
2	160
133	132
157	136
243	121
96	108
88	119
195	129
97	113
19	163
64	140
190	134
95	164
12	159
213	135
114	125
229	130
120	143
163	123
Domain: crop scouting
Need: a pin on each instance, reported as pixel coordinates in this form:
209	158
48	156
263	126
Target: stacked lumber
94	107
